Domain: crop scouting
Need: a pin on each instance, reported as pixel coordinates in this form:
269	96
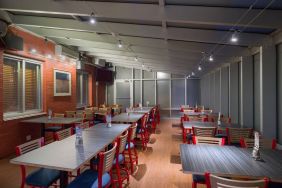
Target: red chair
119	161
97	178
152	119
41	178
130	149
234	135
200	179
143	131
205	119
263	143
213	181
158	116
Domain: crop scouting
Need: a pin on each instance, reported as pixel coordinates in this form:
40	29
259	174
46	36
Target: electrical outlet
28	137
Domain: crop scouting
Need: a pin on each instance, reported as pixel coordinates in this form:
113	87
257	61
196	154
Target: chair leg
130	160
194	185
136	155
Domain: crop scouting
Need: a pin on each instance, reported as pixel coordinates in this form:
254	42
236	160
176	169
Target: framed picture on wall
62	83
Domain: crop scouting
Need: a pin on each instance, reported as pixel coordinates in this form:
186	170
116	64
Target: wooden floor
159	166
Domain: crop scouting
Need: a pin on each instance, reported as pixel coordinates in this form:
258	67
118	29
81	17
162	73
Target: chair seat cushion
131	145
42	177
53	128
120	159
89	179
199	178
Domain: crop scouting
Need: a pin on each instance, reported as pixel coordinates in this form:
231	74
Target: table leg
63	179
184	134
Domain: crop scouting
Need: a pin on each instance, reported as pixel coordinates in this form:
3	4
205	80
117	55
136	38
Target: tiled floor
159	166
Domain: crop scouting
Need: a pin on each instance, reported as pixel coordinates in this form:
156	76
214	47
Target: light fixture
119	44
199	68
211	58
193	74
63	57
33	50
188	76
234	37
143	65
135	59
92	19
49	56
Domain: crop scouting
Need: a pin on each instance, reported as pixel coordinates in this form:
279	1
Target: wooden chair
263	143
235	134
59	115
93	178
130	148
120	160
89	116
60	135
204	131
70	114
200	179
213	181
208	140
41	178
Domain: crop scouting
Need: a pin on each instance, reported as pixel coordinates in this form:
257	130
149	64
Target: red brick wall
12	132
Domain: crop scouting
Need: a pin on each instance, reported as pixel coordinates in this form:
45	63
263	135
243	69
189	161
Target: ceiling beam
137	44
157	32
150	12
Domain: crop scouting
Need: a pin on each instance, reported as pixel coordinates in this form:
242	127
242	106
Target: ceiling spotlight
234	37
199	68
119	44
188	76
143	65
135	59
33	50
211	58
92	19
193	74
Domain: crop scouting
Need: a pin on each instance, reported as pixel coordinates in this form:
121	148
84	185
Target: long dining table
65	156
127	118
230	161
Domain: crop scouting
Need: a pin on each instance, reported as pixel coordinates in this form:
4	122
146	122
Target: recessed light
92	19
119	44
135	59
49	56
33	50
211	58
234	37
199	68
193	74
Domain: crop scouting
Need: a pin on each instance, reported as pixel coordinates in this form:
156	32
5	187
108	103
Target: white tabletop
127	118
64	155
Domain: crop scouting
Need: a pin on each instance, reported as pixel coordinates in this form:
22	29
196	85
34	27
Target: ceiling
173	36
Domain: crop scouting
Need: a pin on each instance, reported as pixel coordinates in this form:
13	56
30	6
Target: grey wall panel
234	92
202	85
177	93
257	123
224	89
193	92
269	129
137	92
248	93
279	93
137	73
212	91
163	87
123	73
217	91
148	75
110	94
148	92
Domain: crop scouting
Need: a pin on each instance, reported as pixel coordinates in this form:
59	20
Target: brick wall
12	132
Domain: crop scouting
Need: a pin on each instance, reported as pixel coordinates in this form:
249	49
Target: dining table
143	110
127	118
44	120
66	156
230	161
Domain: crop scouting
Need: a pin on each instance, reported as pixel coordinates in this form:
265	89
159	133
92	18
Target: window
82	89
22	86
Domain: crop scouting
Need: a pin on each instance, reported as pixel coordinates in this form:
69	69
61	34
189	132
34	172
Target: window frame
24	112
